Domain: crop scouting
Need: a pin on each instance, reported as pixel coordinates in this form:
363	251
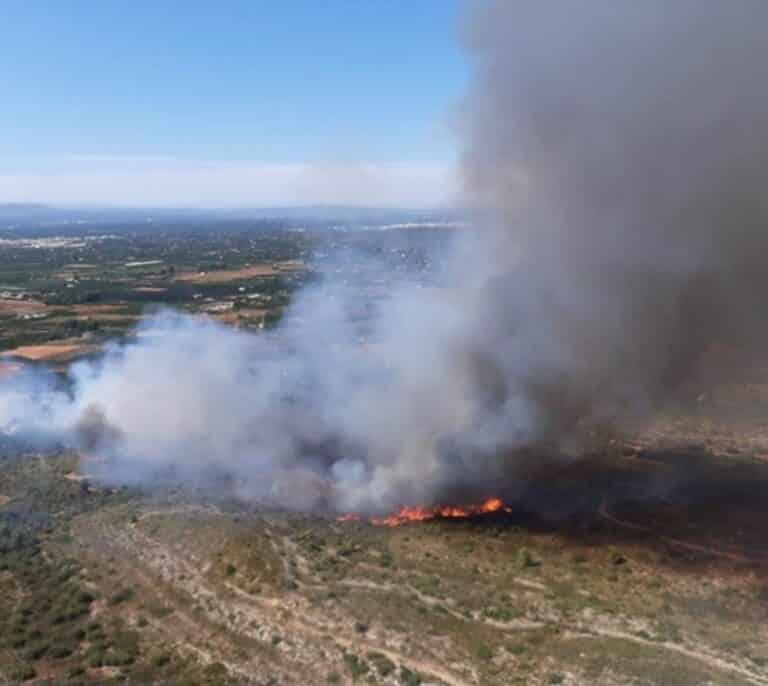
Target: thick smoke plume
618	151
622	148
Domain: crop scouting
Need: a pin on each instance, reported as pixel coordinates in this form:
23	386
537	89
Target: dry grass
8	306
52	351
250	315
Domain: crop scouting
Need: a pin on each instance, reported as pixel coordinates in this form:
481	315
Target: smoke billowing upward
623	147
619	152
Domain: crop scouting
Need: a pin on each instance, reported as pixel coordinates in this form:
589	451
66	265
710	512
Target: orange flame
420	514
350	517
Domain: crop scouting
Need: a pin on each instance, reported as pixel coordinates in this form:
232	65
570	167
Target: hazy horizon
279	106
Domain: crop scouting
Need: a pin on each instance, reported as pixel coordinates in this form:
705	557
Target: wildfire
351	517
420	514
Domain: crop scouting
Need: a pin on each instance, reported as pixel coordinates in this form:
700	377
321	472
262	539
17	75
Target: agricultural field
64	288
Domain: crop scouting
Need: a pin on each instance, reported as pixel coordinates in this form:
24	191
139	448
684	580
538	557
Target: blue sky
111	102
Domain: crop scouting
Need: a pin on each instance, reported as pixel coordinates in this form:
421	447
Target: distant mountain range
30	215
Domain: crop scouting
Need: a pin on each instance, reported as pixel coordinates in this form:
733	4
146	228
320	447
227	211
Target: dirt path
425	667
522	625
305	625
262	616
194	633
263	607
181	509
707	658
516	625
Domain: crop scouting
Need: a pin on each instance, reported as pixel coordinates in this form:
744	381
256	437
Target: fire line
420	513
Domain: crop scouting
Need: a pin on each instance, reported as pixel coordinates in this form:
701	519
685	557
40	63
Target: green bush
118	658
24	673
95	656
18	642
161	660
121	596
85	597
356	666
525	559
382	663
159	611
215	672
409	678
484	652
61	650
36	650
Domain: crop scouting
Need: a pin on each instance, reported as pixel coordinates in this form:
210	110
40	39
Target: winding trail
314	627
264	607
707	658
710	659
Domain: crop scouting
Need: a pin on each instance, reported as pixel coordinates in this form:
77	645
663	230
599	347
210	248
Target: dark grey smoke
618	151
623	148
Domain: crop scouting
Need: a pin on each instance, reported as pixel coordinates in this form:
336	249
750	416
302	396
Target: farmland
88	286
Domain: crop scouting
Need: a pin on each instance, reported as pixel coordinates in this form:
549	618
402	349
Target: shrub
36	650
85	597
121	596
484	652
382	663
525	559
24	673
118	658
161	660
215	671
617	558
356	666
409	678
160	611
61	650
96	656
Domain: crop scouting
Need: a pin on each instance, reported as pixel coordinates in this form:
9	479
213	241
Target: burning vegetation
420	513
